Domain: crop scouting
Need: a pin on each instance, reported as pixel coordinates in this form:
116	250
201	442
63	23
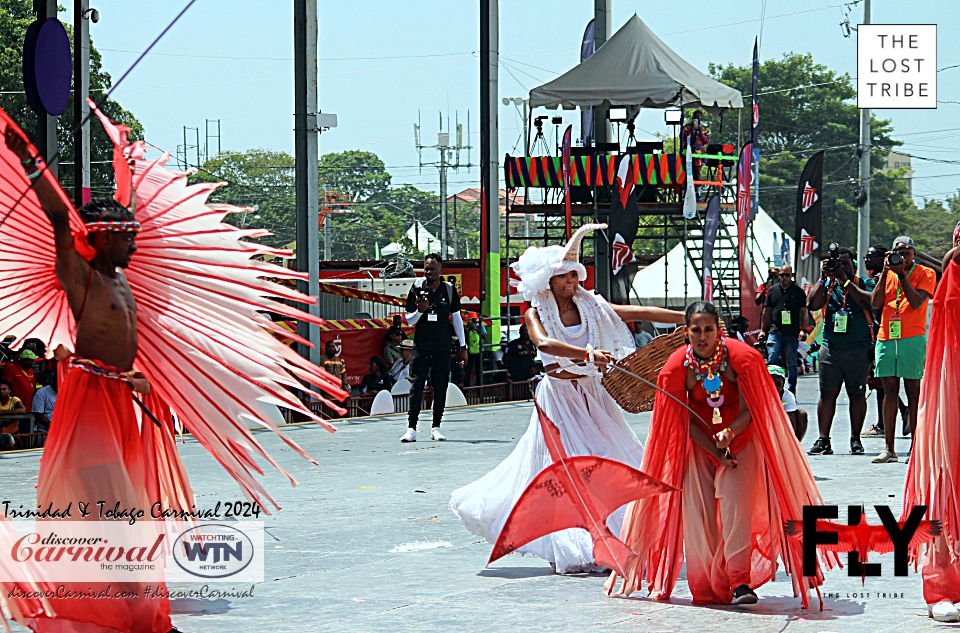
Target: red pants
941	578
723	508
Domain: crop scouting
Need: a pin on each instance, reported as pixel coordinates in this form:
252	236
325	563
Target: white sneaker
409	436
943	612
436	435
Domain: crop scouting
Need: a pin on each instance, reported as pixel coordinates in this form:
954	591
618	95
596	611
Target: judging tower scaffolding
659	181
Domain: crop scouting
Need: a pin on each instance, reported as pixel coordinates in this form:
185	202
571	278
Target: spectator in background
738	328
782	323
7	442
798	417
847	349
9	405
378	379
476	335
699	136
873	261
458	374
391	351
901	295
773	278
44	399
331	363
640	336
401	368
21	377
521	357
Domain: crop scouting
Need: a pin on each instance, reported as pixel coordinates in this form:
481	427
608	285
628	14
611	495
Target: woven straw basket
634	395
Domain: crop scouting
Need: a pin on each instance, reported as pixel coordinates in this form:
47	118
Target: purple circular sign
53	66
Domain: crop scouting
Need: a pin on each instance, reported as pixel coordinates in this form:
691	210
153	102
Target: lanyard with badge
895	329
785	317
841	315
432	310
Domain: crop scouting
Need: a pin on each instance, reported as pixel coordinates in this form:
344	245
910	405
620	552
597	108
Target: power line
289	59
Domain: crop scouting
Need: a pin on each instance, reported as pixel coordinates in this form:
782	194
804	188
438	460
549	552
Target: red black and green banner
662	170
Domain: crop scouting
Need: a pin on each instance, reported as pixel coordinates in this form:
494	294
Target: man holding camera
782	323
902	294
847	349
433	307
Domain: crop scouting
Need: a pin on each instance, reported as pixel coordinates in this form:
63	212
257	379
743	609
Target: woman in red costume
739	470
933	476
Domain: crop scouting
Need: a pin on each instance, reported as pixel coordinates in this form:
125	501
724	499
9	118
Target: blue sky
383	62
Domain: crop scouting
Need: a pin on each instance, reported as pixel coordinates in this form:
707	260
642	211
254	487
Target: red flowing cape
653	527
933	475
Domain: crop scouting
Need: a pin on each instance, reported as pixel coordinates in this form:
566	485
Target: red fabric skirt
94	452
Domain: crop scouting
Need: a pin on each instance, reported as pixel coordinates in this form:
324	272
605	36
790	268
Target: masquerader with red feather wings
163	303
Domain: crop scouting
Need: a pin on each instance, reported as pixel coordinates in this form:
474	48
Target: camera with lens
894	258
833	261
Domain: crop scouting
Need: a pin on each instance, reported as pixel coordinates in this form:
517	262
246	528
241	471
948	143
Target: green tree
261	180
360	174
264	181
931	226
15	17
796	121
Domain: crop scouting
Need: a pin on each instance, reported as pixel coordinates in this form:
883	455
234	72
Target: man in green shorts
901	296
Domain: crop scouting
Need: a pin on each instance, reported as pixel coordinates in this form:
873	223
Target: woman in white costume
568	325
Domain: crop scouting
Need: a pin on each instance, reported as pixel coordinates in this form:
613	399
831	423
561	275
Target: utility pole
443	142
306	143
446	154
81	90
489	164
863	219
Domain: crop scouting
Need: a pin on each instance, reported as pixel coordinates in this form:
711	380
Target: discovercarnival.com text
148	592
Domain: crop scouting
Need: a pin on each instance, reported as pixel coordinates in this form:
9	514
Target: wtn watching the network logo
141	552
212	551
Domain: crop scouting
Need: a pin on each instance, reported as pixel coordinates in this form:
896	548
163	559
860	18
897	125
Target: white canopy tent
675	277
426	242
635	68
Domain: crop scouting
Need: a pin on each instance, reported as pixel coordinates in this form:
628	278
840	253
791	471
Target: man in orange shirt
20	375
901	296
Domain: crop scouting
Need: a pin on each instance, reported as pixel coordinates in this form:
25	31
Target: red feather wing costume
653	527
204	342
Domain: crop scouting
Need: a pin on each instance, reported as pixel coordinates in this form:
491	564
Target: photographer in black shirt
433	307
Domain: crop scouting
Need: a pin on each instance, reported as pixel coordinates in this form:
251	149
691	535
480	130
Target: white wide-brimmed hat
539	263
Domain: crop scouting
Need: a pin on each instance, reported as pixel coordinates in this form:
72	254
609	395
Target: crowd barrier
359	406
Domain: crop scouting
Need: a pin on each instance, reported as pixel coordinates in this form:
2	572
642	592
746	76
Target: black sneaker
744	595
821	447
856	448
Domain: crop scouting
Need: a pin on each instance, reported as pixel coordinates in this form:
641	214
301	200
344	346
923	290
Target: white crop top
574	335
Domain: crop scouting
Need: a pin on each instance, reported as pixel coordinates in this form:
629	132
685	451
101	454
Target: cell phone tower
449	159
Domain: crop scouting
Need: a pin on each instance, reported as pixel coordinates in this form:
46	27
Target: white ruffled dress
590	423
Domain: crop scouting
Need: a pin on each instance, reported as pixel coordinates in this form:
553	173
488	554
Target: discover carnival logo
149	552
214	550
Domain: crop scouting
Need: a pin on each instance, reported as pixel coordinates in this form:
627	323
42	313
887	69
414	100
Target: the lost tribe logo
858	538
213	551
